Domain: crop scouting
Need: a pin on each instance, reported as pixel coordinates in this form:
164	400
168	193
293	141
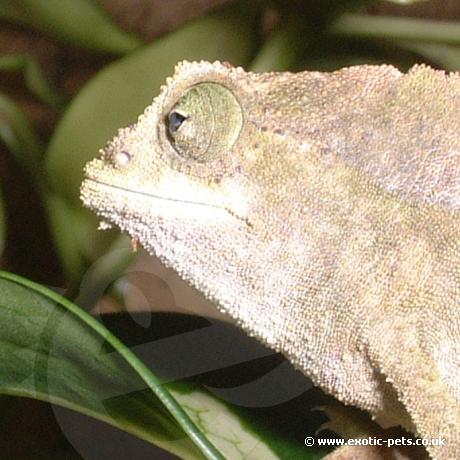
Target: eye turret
205	122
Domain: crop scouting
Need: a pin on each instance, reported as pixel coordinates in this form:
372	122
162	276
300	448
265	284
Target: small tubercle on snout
122	158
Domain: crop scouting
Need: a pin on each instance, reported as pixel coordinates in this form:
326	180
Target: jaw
210	248
129	208
168	228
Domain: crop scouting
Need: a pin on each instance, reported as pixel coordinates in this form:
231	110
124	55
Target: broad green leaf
121	91
79	22
17	133
34	77
232	435
53	351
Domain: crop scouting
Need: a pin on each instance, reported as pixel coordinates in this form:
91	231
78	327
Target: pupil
175	121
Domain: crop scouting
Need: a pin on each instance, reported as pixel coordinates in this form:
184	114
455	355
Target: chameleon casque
320	211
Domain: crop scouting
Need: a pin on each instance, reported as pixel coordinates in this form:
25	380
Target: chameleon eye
204	122
175	121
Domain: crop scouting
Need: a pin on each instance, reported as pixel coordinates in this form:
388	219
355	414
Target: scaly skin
319	211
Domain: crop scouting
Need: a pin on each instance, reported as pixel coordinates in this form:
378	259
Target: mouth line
151	195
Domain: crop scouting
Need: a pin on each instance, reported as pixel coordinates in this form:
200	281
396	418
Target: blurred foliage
19	136
34	77
80	22
57	110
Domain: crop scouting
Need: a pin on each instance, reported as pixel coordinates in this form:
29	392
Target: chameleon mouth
147	194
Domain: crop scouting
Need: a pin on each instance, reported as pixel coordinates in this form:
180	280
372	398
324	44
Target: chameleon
317	210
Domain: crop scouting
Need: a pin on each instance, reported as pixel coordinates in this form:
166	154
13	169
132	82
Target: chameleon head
174	164
198	181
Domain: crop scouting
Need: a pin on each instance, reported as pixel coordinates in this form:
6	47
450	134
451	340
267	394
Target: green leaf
17	133
53	351
34	77
233	435
79	22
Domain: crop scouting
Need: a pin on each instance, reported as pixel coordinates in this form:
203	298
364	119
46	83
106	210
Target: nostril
121	158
